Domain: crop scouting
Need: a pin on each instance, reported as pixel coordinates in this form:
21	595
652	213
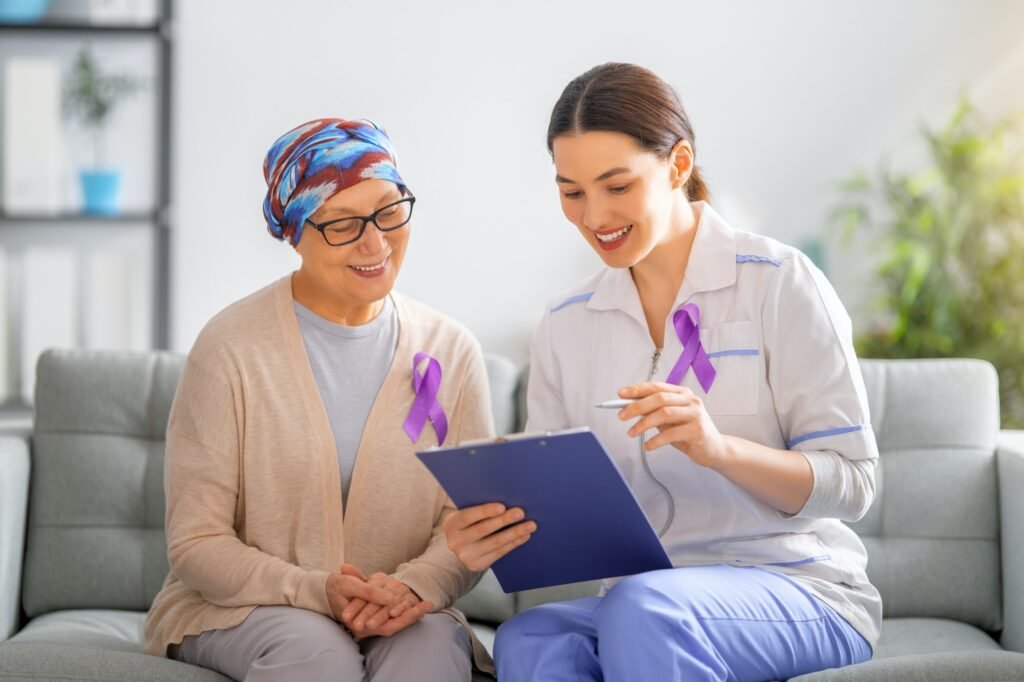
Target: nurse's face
621	198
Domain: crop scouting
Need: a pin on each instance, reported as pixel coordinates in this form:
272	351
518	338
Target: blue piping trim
738	351
822	434
746	258
801	562
573	299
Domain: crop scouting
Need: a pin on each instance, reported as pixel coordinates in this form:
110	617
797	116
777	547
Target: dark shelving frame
159	219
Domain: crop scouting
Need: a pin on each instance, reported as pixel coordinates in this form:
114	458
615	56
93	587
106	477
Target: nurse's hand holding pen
481	535
680	418
782	479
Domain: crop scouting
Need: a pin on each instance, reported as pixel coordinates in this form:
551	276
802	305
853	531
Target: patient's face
364	271
618	195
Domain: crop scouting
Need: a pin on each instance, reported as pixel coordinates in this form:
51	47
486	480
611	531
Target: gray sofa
82	546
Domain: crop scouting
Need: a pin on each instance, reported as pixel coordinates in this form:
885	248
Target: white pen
615	404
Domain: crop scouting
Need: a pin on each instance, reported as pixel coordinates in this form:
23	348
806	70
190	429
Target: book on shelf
31	137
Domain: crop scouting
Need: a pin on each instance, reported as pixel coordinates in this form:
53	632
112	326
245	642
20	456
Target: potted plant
950	258
90	97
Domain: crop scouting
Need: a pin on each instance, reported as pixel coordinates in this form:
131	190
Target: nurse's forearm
780	478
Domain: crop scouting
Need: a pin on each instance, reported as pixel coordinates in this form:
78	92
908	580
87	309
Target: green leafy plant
950	251
90	97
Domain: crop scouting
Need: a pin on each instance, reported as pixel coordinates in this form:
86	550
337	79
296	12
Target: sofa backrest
96	507
96	502
932	534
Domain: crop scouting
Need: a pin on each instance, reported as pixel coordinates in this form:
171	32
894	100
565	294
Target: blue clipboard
589	523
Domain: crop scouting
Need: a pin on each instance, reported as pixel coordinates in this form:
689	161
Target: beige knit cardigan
254	508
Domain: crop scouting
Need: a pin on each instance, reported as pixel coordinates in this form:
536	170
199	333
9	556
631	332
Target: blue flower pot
100	188
23	11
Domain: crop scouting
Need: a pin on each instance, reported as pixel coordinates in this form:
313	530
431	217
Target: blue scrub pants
689	624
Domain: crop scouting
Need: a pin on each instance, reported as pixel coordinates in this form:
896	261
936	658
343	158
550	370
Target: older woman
304	539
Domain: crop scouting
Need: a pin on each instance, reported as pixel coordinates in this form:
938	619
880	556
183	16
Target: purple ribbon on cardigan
686	320
425	405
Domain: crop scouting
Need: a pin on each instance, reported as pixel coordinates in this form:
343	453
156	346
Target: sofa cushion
929	649
486	634
487	602
918	636
90	645
530	598
107	645
965	666
114	630
932	534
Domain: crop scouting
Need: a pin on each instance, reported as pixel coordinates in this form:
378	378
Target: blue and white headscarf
311	163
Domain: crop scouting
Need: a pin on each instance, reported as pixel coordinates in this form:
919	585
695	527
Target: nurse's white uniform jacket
787	377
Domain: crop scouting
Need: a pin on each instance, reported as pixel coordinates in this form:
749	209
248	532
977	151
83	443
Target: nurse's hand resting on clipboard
481	535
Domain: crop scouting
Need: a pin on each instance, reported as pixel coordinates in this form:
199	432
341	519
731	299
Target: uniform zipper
647	464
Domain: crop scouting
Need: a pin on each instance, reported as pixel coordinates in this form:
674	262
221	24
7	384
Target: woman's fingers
471	555
490	557
364	619
646	405
354	588
675	434
375	621
649	388
363	616
351	609
352	570
402	596
496	541
470	541
490	526
405	620
669	415
657	400
403	604
464	518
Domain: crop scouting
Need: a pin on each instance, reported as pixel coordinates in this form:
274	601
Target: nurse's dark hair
626	98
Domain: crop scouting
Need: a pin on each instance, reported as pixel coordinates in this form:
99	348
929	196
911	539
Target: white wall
786	97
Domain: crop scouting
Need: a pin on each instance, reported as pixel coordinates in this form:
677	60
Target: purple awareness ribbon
686	320
426	405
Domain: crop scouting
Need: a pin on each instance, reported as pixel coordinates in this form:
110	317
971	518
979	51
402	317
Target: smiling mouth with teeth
370	268
613	236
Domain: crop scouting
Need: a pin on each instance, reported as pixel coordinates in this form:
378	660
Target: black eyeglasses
347	230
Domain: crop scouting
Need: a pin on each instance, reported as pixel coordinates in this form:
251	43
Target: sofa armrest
1010	457
14	471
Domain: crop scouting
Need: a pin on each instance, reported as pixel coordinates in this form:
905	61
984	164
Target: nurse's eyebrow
603	176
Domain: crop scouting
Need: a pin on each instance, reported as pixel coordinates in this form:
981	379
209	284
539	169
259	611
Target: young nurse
747	441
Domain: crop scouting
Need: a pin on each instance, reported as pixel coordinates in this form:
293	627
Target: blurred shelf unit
148	220
79	279
79	30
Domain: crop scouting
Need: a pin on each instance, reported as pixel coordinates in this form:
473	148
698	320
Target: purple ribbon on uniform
425	405
686	320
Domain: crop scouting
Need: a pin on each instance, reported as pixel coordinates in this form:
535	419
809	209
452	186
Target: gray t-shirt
349	365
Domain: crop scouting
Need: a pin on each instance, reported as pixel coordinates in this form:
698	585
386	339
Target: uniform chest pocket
736	355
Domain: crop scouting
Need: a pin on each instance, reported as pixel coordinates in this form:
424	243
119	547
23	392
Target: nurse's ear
680	164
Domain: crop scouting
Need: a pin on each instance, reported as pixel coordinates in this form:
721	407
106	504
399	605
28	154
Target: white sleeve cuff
843	489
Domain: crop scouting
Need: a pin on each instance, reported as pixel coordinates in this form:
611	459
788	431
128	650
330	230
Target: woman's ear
681	161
